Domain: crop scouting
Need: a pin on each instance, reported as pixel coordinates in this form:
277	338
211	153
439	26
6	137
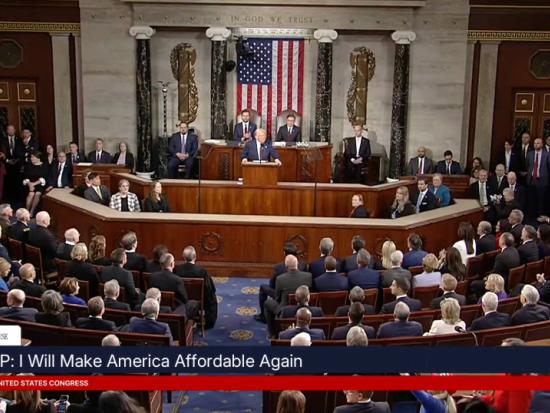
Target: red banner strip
467	382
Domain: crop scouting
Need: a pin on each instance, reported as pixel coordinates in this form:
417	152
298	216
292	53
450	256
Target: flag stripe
290	76
274	87
249	97
301	77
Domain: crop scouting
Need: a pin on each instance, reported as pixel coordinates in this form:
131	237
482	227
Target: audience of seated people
396	271
80	268
331	280
349	263
491	317
122	275
399	289
363	276
448	287
111	291
317	267
149	324
52	310
15	309
303	320
450	319
355	318
95	321
356	295
430	276
72	236
401	326
302	301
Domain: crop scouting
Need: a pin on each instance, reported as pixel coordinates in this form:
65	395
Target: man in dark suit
149	324
355	318
448	166
498	181
15	309
245	129
72	237
289	132
528	250
97	192
448	285
522	149
183	148
538	170
317	267
124	277
302	298
284	285
20	229
363	276
359	401
401	326
509	159
508	257
134	260
419	165
423	200
357	152
189	269
530	312
95	320
350	262
519	191
356	295
399	288
491	317
486	241
27	282
12	180
260	150
166	280
396	271
503	207
515	219
303	320
40	236
61	175
74	156
416	254
99	155
111	290
27	145
481	190
331	280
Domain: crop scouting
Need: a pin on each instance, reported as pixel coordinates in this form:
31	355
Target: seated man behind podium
99	155
289	132
448	166
357	152
97	192
183	147
244	130
260	150
420	165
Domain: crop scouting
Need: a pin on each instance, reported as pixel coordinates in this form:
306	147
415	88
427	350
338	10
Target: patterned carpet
237	304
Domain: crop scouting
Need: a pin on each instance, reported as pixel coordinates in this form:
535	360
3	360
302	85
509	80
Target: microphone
459	329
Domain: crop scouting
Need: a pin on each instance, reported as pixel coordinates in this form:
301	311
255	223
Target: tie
98	190
260	152
59	169
289	130
513	188
246	128
74	158
420	196
11	143
525	147
183	143
448	169
536	169
482	194
499	180
98	157
421	167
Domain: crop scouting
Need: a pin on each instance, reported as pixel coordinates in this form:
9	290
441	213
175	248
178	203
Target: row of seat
527	273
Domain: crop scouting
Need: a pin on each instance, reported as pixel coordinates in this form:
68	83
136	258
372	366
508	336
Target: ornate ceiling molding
517	36
73	28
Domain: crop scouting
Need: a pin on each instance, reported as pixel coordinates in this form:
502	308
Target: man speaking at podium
260	150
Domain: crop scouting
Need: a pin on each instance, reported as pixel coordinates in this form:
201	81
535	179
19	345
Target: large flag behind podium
272	80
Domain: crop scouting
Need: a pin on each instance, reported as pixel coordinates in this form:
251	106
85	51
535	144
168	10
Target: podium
260	174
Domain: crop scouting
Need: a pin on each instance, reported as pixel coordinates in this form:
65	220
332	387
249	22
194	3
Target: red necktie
536	170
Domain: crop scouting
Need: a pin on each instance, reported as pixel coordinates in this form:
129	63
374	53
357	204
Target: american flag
272	80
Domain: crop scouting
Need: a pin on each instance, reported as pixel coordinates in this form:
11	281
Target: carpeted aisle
237	304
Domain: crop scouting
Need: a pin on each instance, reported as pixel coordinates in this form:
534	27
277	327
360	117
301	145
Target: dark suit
105	157
443	169
394	273
135	261
267	151
516	232
537	185
492	320
129	161
513	164
436	302
43	238
294	136
530	313
413	258
474	192
363	277
19	231
414	305
519	194
125	279
290	311
314	333
149	326
509	258
317	267
349	263
115	304
528	252
24	150
400	329
62	319
64	251
167	281
91	195
18	313
343	310
370	407
95	323
503	208
331	281
427	203
66	175
413	168
485	244
175	146
340	333
238	132
355	171
493	182
86	272
78	157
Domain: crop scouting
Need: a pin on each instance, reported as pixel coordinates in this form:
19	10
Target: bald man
15	310
420	164
41	237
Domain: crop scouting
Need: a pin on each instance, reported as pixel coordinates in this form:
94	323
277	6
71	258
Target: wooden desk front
224	163
248	245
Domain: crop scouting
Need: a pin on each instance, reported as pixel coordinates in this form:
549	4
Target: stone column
62	89
143	36
400	102
323	93
218	81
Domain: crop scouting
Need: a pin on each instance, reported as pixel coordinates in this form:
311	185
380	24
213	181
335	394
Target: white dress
441	327
461	247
